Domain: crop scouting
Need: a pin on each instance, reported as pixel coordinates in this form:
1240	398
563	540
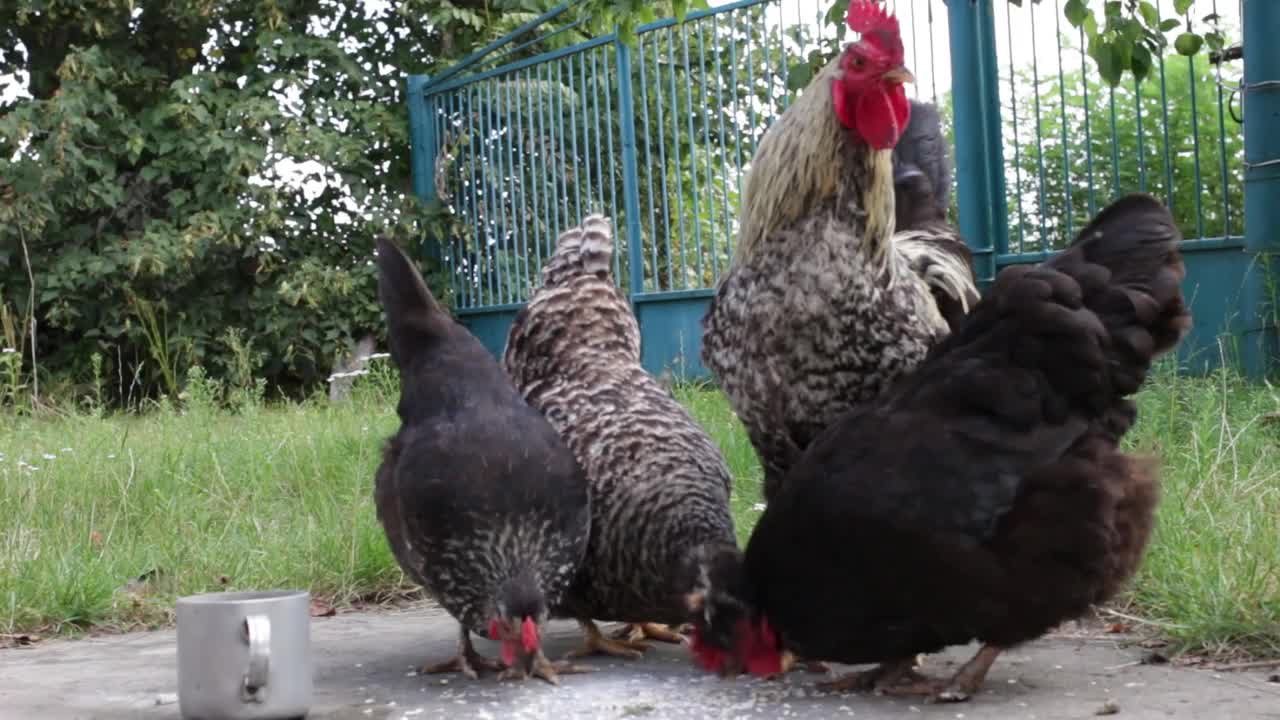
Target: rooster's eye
858	62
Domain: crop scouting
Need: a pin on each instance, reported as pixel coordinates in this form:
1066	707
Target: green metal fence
658	135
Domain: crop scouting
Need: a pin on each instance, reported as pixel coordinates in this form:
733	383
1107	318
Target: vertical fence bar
613	165
1017	137
1088	125
979	158
649	167
423	147
630	170
1261	101
1035	85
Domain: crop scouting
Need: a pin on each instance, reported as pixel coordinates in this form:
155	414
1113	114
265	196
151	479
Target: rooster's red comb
879	27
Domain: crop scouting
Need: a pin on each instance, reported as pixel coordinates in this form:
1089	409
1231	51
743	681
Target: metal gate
513	148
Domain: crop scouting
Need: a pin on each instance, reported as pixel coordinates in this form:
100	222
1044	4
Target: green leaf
1188	43
1149	13
1108	58
1182	6
1170	24
1076	12
1141	62
837	12
1130	29
799	75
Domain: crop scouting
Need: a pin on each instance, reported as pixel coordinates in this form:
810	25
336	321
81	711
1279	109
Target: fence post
630	171
422	151
1261	104
975	93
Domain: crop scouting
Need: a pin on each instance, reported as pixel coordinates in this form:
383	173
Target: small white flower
6	351
758	507
50	456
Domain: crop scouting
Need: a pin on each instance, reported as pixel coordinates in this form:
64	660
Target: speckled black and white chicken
482	503
822	307
659	485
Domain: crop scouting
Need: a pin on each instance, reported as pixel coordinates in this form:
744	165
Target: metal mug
244	655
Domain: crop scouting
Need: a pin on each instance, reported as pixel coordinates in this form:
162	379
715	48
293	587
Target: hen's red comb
762	653
878	26
529	635
708	656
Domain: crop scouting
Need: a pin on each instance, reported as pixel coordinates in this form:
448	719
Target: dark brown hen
482	503
659	486
983	496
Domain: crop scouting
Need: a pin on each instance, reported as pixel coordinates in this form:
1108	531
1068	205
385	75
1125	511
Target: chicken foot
595	643
959	687
467	661
879	678
637	632
546	669
790	662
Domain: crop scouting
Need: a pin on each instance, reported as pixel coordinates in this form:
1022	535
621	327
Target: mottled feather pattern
659	485
937	255
480	498
819	318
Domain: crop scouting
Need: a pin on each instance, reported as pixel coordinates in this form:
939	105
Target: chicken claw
467	661
636	632
959	688
595	643
545	669
880	678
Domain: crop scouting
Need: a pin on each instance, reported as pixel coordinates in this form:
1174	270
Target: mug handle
257	633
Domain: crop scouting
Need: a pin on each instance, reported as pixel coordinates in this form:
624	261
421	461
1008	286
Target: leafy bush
145	213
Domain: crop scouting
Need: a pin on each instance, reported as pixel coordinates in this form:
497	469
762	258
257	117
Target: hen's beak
899	74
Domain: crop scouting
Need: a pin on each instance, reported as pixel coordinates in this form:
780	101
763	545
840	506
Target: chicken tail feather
583	249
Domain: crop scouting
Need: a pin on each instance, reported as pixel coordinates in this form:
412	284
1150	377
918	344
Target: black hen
921	195
982	496
482	502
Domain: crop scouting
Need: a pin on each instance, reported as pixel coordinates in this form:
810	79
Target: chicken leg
467	661
546	669
878	678
959	687
637	632
595	643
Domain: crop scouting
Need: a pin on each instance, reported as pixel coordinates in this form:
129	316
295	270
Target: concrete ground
364	669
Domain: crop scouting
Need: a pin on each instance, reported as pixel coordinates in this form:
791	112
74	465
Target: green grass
281	496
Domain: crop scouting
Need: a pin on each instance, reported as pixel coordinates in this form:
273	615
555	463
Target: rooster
659	485
482	503
983	496
922	193
821	308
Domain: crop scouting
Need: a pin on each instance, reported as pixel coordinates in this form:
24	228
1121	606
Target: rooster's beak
899	74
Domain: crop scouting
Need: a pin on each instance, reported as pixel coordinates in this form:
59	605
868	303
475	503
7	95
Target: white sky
1031	28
